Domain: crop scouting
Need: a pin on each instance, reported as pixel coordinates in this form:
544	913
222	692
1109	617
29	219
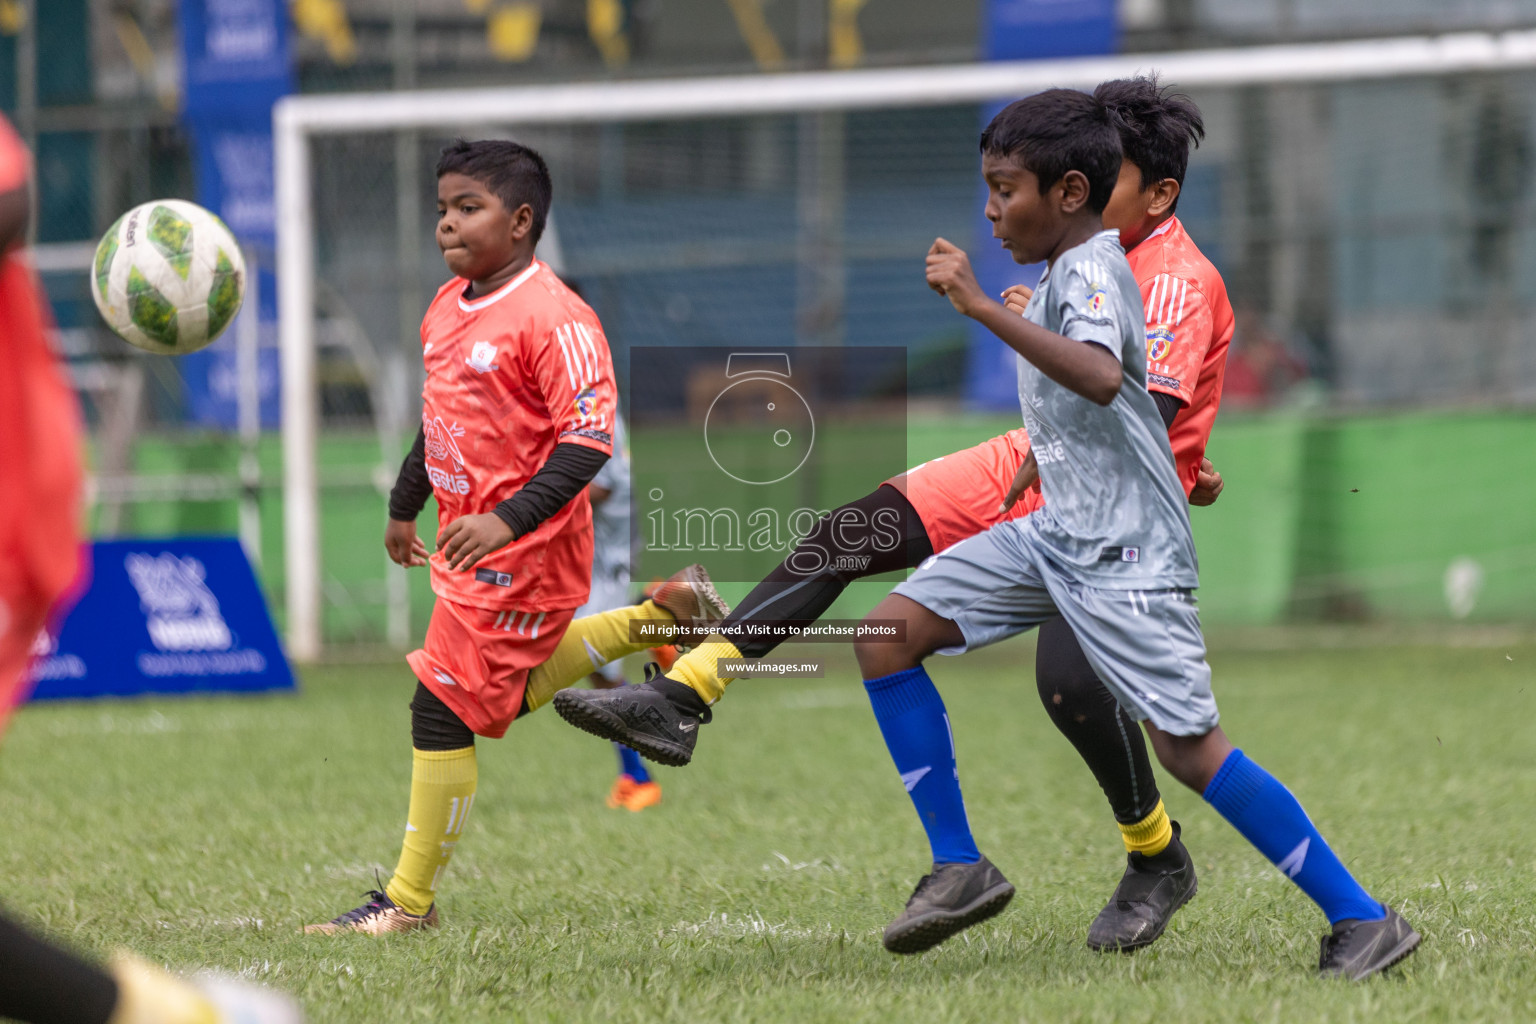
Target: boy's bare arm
1086	369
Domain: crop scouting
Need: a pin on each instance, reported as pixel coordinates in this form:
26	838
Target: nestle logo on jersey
442	446
480	356
1047	452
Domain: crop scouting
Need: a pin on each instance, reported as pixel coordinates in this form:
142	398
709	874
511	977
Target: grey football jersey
610	519
1115	514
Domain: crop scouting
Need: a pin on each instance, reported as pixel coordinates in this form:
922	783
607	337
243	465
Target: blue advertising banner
1023	30
164	616
237	63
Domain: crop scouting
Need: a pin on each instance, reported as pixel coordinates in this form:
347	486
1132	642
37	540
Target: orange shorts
956	496
477	660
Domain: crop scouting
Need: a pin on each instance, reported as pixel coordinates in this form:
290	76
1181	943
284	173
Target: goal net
1367	202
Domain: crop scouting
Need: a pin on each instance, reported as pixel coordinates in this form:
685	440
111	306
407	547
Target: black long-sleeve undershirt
570	467
412	487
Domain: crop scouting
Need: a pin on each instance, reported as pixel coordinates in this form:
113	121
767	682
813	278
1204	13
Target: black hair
1158	127
515	174
1056	131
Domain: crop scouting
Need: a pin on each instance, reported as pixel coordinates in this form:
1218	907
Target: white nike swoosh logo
687	726
912	778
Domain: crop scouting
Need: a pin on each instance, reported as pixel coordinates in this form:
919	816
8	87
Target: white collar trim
502	292
1166	225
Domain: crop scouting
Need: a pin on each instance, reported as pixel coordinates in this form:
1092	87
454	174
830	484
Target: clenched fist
950	274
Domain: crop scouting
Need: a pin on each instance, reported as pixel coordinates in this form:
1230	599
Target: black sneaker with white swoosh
660	718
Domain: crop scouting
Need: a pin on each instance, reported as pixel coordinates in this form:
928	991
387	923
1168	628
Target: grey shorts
1144	644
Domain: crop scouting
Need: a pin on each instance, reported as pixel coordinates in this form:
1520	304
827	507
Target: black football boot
1149	892
660	718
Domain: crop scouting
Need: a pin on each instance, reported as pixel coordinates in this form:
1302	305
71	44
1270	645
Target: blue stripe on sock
1271	818
630	764
915	725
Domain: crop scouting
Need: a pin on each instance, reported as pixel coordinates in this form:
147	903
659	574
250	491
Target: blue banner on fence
164	616
1022	30
237	63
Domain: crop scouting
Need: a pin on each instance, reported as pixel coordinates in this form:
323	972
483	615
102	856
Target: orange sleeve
15	163
1179	333
575	374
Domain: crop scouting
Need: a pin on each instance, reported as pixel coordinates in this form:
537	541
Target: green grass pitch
205	832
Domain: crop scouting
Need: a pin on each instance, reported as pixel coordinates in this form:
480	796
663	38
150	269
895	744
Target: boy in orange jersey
946	500
39	563
518	414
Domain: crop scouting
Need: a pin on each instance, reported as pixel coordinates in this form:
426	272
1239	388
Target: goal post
299	121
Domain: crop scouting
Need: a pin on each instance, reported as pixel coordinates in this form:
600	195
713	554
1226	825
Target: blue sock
1270	818
916	729
631	765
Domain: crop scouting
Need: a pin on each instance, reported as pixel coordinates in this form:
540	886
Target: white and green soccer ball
168	277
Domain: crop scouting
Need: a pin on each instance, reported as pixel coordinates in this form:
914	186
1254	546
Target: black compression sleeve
1167	407
412	487
570	468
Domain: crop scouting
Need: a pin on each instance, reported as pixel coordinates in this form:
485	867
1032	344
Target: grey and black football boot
948	900
1358	949
660	718
1149	892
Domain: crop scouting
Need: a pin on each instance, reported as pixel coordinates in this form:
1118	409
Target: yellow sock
148	995
442	792
590	643
700	667
1151	835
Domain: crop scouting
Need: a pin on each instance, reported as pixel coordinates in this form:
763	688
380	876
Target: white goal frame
296	119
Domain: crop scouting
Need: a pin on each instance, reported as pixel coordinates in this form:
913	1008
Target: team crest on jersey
586	401
1096	299
443	446
480	356
1159	342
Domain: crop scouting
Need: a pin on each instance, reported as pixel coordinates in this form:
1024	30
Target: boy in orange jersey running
518	414
39	563
935	505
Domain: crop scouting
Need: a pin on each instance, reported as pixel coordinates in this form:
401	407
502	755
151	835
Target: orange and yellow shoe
632	795
379	916
690	596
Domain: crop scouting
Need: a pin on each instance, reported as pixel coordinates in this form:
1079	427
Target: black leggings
434	726
1087	714
881	532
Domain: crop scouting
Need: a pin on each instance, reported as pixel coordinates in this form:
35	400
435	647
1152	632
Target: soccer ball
168	277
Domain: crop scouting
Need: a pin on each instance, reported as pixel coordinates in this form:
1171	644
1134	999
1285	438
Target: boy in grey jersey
634	789
1111	550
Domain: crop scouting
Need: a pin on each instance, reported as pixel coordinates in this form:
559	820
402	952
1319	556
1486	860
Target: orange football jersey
1189	327
40	465
509	376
